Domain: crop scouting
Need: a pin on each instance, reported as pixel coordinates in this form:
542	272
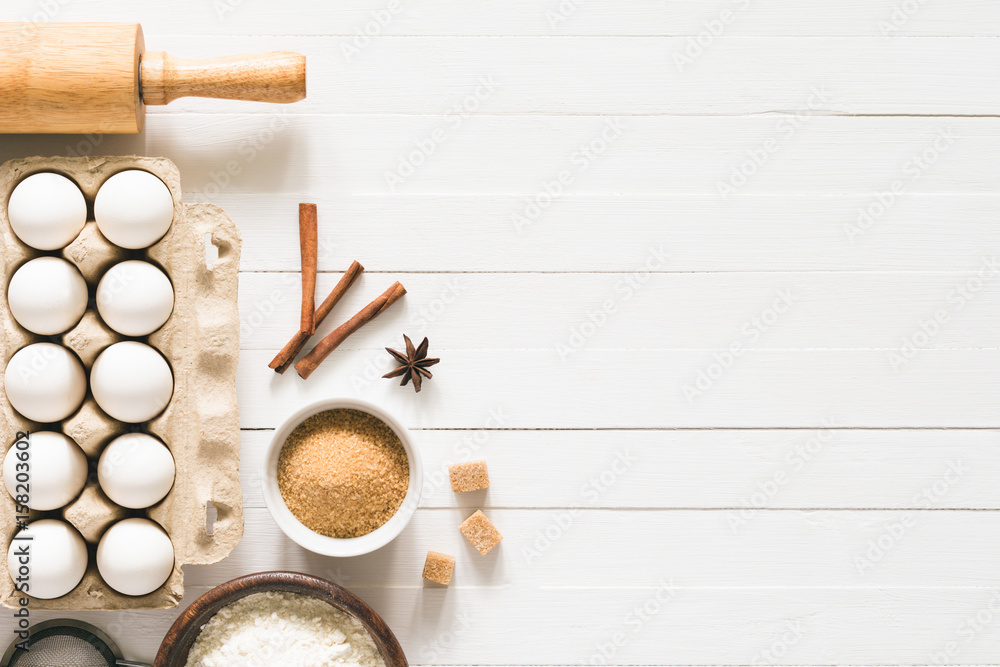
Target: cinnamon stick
284	359
311	361
309	250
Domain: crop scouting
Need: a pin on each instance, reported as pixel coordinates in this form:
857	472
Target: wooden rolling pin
78	78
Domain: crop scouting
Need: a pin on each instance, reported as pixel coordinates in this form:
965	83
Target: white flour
283	629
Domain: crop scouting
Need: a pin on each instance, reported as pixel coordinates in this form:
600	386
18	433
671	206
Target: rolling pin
81	78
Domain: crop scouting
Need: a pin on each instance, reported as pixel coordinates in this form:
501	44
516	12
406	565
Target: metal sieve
65	642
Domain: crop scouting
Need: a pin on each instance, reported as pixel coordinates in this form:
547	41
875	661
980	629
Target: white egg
47	295
135	557
48	557
135	298
136	470
45	382
131	381
45	471
134	209
47	211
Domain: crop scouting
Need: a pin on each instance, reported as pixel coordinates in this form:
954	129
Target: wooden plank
531	156
556	549
643	310
665	388
626	75
701	626
740	471
526	17
606	233
661	623
544	158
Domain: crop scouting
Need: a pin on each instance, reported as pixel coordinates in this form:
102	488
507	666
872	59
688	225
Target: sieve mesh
64	646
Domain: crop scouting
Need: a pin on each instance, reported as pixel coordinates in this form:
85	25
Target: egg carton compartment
200	340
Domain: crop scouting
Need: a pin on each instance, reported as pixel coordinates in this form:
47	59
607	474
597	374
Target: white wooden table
715	288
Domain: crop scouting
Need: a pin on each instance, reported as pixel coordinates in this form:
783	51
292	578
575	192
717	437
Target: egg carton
200	426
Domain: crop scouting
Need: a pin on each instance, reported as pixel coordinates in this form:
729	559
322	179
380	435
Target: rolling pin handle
278	76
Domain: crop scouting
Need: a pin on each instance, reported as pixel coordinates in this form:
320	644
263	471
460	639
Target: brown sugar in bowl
312	539
173	651
343	473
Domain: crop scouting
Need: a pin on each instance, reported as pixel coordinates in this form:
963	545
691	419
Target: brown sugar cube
438	567
483	534
470	476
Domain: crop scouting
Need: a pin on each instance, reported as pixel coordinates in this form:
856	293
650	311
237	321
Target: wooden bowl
173	651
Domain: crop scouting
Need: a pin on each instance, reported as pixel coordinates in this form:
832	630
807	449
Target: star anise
413	365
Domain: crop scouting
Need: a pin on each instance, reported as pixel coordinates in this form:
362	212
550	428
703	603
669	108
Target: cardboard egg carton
200	426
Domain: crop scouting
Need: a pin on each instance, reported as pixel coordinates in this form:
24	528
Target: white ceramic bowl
336	546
